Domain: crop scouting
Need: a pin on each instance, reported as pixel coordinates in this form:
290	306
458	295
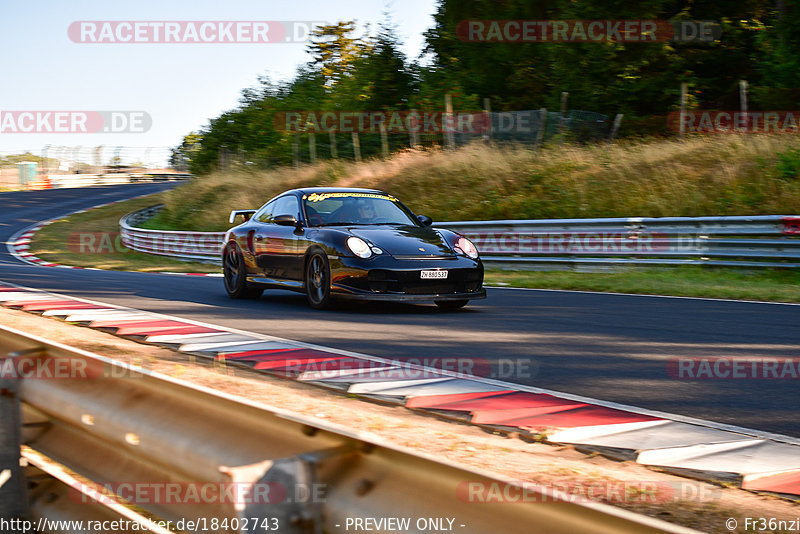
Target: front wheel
318	280
451	304
234	273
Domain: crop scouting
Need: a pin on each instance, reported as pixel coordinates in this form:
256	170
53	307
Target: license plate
432	274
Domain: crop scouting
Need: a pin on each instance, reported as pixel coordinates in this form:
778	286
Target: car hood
404	240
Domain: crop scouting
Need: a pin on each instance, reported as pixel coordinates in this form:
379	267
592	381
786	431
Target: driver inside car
366	212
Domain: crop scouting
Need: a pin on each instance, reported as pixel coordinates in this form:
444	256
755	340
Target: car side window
286	206
266	213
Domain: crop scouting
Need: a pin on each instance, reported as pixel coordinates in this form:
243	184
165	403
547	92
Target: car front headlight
359	247
464	246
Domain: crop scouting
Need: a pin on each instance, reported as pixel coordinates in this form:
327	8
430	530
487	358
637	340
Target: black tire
234	274
318	280
451	304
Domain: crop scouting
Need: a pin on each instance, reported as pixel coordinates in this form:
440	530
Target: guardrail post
286	491
13	496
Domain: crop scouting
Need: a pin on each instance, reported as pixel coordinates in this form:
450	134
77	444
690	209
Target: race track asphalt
612	347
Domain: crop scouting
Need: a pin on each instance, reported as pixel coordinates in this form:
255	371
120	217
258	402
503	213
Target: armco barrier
148	431
745	241
188	246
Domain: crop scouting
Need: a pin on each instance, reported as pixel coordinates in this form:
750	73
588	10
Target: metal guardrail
553	244
117	424
742	241
185	246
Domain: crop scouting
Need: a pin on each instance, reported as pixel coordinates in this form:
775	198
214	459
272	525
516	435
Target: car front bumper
390	279
402	297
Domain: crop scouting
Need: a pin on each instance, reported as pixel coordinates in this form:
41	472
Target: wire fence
538	126
531	127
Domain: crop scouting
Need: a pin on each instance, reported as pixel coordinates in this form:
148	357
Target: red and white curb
751	459
19	244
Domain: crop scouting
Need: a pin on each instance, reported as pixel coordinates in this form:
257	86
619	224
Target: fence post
487	115
384	141
13	498
684	88
563	120
332	139
356	147
312	147
413	134
743	103
450	141
615	127
542	126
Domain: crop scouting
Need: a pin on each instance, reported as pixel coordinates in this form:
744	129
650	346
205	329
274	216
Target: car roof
304	190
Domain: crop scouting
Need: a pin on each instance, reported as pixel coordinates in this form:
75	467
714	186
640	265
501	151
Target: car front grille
409	282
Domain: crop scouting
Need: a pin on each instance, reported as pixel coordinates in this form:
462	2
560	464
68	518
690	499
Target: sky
179	86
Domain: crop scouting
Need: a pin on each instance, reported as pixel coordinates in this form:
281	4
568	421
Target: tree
333	51
182	155
381	78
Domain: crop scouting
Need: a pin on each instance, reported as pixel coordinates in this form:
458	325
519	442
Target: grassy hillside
723	175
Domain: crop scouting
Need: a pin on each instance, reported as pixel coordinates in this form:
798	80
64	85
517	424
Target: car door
257	235
276	246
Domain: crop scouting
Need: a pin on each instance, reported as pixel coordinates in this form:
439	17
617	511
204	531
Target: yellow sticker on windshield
316	197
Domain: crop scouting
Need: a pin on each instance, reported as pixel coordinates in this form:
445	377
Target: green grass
774	285
724	175
91	239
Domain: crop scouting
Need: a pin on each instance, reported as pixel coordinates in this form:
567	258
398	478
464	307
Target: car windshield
340	209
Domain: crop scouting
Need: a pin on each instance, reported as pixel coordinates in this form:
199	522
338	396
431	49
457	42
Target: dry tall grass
723	175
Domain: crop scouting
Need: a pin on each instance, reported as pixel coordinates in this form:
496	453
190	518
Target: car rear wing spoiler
246	214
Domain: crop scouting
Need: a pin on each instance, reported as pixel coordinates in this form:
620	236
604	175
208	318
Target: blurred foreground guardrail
556	244
178	452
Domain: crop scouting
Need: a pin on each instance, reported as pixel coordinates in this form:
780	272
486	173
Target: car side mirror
286	220
425	220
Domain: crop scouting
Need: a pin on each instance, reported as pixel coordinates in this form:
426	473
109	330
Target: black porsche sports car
348	243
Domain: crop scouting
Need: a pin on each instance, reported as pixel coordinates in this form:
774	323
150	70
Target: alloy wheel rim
317	278
231	268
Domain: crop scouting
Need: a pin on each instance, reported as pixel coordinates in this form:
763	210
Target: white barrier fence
88	180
